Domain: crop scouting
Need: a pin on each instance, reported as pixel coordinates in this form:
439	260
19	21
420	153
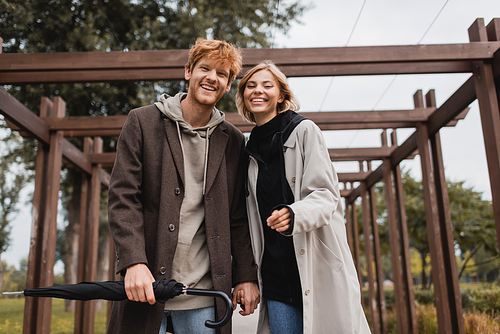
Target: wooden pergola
480	58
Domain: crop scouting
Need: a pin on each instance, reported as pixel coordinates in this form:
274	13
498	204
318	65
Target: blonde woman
307	278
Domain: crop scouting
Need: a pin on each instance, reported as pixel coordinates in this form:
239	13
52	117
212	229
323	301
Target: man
177	204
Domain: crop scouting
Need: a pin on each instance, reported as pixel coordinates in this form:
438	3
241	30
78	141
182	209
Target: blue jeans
285	318
189	321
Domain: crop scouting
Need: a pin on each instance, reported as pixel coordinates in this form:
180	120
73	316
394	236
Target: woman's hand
279	220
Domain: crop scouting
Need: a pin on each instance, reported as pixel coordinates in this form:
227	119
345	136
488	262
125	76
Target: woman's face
262	95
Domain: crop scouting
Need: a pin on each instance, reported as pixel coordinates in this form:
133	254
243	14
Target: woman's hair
289	100
220	51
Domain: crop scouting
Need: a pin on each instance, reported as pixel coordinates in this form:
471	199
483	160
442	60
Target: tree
124	25
471	219
13	177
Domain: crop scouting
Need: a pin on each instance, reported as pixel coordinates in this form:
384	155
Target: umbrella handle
217	294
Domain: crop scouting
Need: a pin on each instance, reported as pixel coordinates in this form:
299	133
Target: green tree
124	25
13	177
471	218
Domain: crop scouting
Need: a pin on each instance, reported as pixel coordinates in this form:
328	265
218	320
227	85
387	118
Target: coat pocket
324	252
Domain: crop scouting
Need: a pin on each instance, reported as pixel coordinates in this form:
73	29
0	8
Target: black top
280	274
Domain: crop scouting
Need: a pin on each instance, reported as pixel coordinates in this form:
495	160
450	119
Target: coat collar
216	153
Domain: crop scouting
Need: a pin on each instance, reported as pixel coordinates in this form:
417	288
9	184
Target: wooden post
368	257
31	305
404	247
490	117
378	261
83	237
93	237
48	248
434	231
401	311
448	243
349	227
355	237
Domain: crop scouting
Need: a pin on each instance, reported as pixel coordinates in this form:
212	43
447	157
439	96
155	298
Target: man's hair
220	51
289	100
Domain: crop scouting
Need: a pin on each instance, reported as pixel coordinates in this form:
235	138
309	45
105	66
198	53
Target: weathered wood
490	119
349	228
352	177
357	249
83	235
434	232
51	193
404	245
169	64
93	236
454	297
369	258
394	244
382	314
37	227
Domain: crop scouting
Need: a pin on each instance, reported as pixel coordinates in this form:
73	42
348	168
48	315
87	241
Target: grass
12	311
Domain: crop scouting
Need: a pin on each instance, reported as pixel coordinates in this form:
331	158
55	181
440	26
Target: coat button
163	270
293	178
171	227
177	191
307	292
302	251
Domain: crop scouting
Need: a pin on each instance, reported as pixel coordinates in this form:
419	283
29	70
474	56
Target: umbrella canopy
164	289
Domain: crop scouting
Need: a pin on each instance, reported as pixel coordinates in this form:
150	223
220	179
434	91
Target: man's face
208	81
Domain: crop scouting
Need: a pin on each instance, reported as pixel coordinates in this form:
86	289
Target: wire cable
346	44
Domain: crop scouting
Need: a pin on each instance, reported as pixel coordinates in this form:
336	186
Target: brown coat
145	197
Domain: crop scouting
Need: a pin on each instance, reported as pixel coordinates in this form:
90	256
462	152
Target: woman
307	277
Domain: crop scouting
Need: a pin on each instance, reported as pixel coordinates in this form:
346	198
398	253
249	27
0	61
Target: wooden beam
486	90
295	62
93	236
48	247
369	259
404	244
31	305
382	310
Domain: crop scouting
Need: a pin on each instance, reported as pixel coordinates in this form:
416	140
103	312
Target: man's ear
228	87
187	73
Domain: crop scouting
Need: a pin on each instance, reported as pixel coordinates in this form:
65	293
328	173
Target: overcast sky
332	23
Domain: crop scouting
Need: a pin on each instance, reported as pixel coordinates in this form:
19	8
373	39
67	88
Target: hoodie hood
170	106
195	142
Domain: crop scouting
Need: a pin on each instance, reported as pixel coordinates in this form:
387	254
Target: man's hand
247	294
139	284
279	220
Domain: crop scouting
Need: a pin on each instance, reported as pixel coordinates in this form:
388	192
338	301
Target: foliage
15	279
13	177
479	323
472	222
482	300
41	26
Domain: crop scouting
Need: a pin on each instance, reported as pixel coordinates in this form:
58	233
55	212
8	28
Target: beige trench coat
331	292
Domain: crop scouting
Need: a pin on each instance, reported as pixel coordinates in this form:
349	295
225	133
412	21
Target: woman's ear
281	98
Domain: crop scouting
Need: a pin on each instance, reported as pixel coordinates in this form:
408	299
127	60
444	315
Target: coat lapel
216	153
175	147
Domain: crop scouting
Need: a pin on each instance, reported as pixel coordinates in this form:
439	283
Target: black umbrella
164	289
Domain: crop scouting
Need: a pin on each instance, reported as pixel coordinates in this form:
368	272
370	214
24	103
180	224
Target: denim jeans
285	318
189	321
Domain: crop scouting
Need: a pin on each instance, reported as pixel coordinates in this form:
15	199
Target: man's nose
212	75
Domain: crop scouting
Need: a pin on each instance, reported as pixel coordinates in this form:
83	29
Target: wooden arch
480	58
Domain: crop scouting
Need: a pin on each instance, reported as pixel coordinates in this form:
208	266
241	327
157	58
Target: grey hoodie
191	264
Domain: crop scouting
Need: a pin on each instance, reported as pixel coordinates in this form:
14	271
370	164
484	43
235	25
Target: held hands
247	294
139	284
279	220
